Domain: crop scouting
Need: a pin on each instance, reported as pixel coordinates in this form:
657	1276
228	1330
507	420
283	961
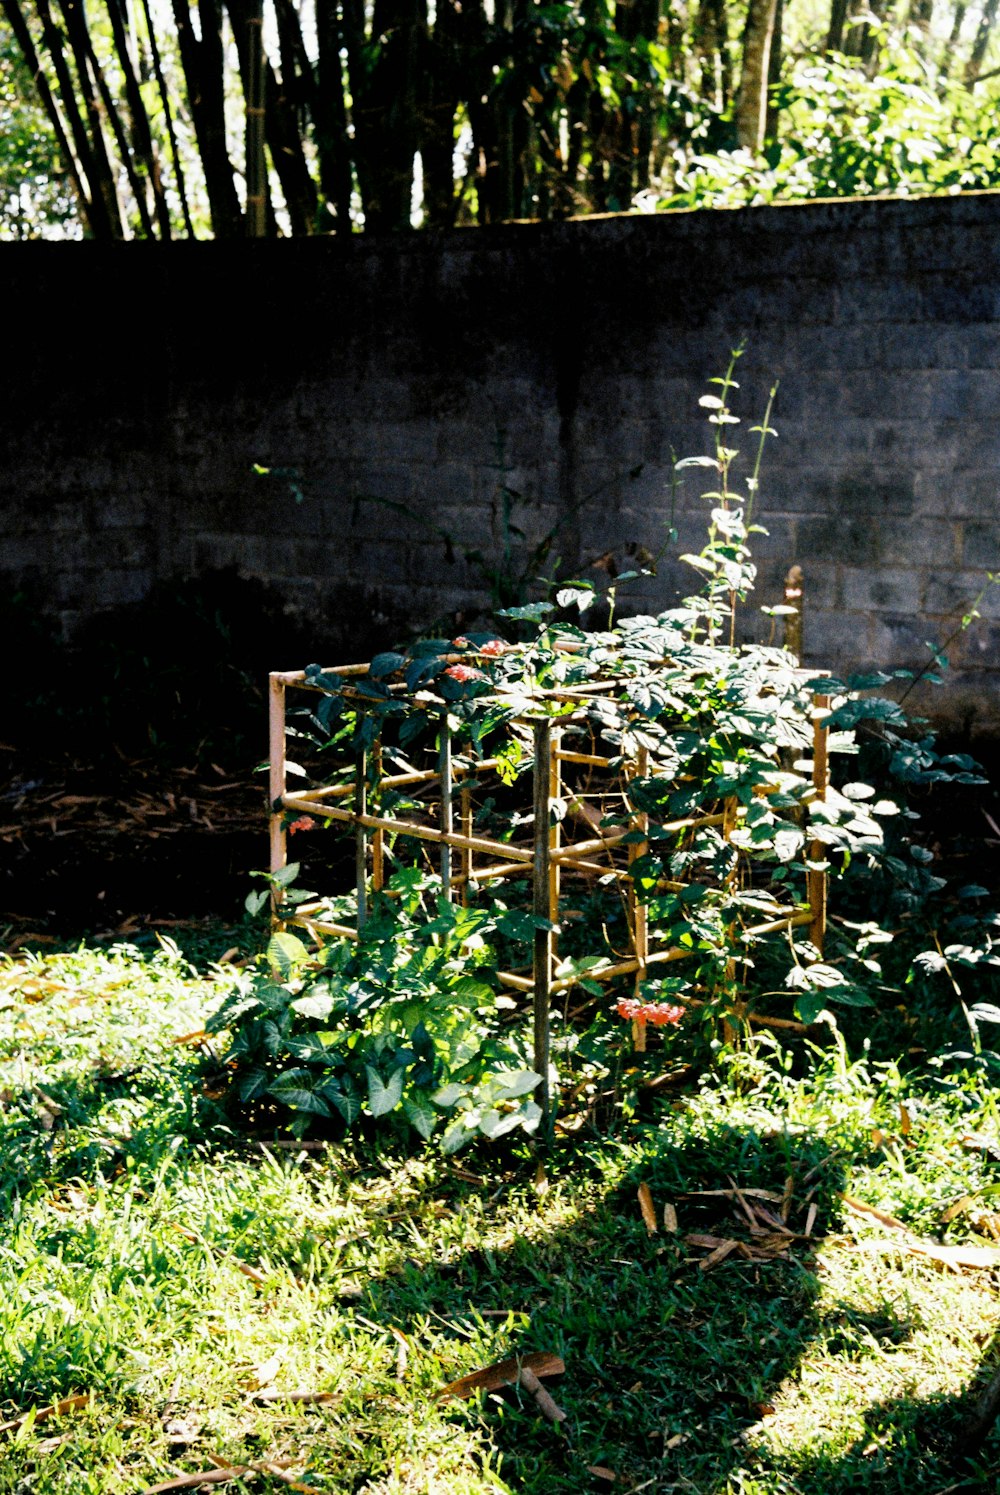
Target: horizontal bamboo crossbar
305	804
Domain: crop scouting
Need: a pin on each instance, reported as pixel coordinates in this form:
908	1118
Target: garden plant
757	1256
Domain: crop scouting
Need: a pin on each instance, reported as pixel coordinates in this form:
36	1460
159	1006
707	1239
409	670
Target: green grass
843	1364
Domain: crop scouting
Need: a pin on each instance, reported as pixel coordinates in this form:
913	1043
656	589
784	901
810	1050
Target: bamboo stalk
309	806
401	780
816	880
555	837
447	816
655	958
168	117
256	171
276	782
378	836
638	909
360	836
542	953
466	860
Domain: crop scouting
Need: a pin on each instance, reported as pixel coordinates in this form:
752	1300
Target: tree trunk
838	20
168	115
202	61
751	101
330	113
50	104
977	56
139	131
774	73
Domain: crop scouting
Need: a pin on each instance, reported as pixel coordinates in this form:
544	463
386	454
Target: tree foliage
143	118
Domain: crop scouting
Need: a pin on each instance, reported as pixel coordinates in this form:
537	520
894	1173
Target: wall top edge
875	214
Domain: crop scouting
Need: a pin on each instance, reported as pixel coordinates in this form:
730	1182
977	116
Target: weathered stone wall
402	385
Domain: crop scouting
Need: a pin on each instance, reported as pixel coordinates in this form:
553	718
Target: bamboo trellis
551	856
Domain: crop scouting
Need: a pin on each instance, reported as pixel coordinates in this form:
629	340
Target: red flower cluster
464	672
493	648
660	1014
304	823
461	642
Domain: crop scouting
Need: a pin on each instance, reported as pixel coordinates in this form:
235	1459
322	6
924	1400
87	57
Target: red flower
464	672
660	1014
461	642
304	823
493	647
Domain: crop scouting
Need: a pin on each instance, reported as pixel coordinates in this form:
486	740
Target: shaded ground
129	843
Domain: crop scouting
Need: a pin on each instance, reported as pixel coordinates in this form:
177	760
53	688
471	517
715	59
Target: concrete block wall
397	389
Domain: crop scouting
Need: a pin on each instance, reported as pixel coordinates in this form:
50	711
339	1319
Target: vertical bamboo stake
378	835
729	809
555	834
815	879
466	860
361	836
794	597
447	810
276	782
638	912
542	954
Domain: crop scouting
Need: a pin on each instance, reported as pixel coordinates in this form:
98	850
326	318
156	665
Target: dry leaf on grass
192	1481
504	1373
648	1208
858	1207
722	1250
55	1409
275	1394
977	1258
670	1224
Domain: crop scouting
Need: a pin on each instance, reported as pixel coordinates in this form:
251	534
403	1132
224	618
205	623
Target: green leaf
455	1137
284	952
420	1114
317	1004
809	1006
383	1097
449	1095
522	1082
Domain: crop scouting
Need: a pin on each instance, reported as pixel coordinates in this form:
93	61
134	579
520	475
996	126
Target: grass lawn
294	1312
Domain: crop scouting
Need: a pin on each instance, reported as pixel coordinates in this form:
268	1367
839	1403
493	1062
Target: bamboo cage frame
546	861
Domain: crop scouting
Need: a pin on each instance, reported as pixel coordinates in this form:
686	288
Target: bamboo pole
555	837
655	958
256	171
640	913
360	836
307	805
378	835
466	861
402	780
447	813
276	783
816	880
542	953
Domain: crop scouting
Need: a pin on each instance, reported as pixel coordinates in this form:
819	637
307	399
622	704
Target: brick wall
401	385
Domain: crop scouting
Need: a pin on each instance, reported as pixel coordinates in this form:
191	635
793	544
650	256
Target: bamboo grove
193	118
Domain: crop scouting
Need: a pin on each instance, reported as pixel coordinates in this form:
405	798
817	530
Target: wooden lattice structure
550	858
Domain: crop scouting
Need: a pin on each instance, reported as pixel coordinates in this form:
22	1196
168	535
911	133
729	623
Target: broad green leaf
420	1114
383	1097
316	1004
284	952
